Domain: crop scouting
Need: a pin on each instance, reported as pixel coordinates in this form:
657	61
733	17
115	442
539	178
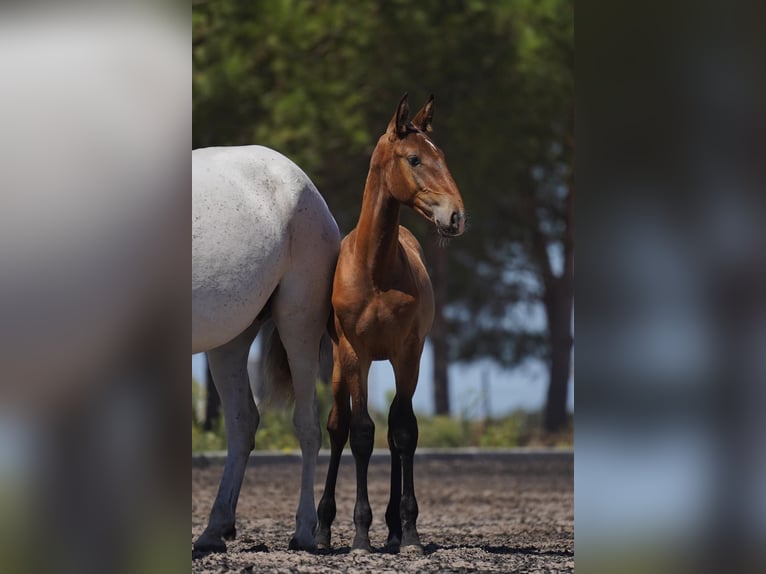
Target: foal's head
416	171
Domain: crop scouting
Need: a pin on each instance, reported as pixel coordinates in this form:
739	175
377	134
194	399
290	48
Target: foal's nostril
454	219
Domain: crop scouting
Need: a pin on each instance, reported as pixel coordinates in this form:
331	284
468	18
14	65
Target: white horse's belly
221	309
241	209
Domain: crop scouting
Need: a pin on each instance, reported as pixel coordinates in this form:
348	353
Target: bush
443	431
502	433
208	440
197	395
276	430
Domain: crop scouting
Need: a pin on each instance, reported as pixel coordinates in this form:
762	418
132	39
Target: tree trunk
559	301
558	298
438	257
559	310
212	403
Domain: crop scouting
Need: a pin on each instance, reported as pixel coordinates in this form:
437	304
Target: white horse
264	246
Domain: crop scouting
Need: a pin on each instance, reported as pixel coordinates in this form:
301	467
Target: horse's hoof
322	540
230	534
412	550
393	542
295	544
208	545
361	547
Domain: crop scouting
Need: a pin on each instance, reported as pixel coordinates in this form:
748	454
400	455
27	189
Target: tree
319	81
550	199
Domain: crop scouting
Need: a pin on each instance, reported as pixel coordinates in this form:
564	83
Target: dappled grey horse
264	247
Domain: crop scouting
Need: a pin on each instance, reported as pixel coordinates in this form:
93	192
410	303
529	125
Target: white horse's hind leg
228	365
300	314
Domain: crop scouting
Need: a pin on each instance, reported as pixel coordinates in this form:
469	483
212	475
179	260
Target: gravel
492	512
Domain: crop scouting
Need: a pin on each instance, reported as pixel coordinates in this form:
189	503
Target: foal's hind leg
403	440
338	427
228	365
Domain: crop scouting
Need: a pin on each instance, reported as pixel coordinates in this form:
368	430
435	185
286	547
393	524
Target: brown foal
384	306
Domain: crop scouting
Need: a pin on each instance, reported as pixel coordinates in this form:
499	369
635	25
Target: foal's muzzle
455	227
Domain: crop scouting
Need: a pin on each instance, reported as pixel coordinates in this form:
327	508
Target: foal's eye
414	160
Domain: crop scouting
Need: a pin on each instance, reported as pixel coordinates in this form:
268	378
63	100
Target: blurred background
94	271
670	466
319	81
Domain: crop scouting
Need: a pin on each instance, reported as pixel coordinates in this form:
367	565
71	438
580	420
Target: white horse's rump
255	217
261	234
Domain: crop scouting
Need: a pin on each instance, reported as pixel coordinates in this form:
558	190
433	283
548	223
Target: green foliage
319	80
518	429
324	399
502	432
443	431
275	431
197	396
208	440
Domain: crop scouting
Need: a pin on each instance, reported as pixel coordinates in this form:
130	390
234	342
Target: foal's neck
377	233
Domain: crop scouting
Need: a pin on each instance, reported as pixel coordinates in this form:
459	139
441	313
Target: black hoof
295	545
411	543
322	540
230	534
361	547
205	546
393	542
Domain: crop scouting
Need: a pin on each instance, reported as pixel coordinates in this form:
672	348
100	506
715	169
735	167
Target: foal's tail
276	384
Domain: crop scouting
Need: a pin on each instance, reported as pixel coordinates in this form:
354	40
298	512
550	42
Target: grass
275	432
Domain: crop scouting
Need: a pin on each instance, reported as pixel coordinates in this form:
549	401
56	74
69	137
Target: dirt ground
501	512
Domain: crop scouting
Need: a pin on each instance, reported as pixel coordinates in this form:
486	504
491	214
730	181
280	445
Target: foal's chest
383	321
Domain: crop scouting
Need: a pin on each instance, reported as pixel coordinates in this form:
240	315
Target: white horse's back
250	206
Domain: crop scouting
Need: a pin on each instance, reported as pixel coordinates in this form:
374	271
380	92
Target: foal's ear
424	117
398	124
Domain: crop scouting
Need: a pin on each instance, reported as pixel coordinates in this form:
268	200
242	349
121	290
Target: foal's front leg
362	440
393	517
403	440
404	436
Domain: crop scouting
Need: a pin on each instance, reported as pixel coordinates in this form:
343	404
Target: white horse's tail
276	387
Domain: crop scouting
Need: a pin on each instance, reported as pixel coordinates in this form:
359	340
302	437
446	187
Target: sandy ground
502	512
